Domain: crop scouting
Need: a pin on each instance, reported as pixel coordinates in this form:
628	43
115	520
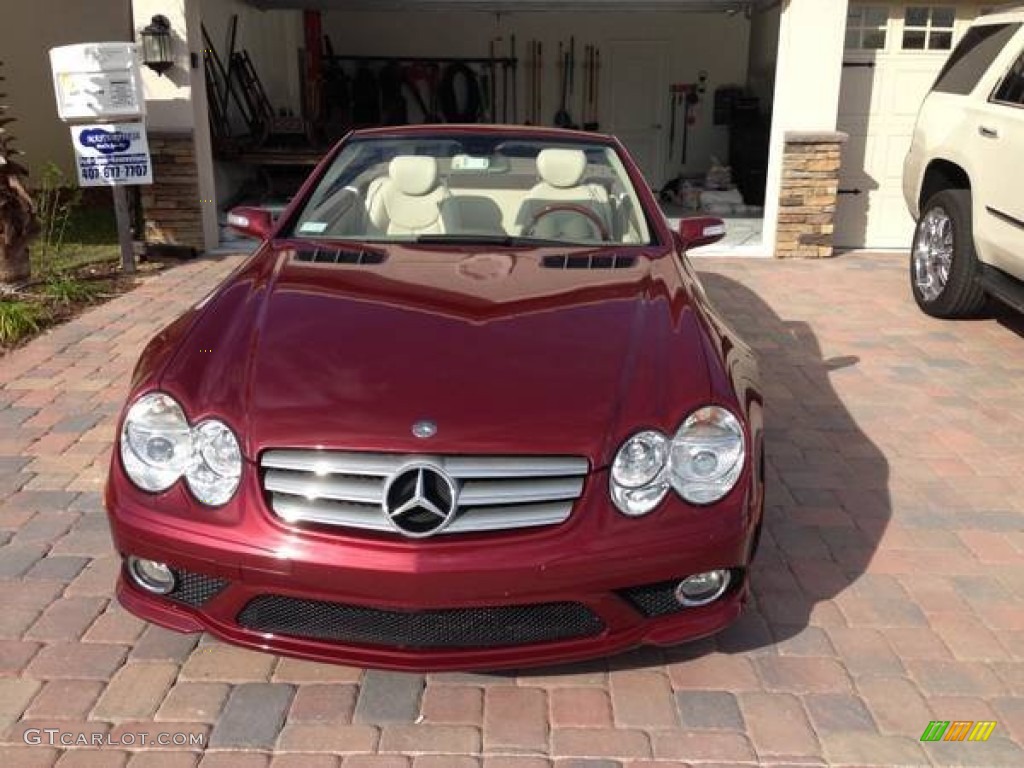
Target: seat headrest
414	175
562	168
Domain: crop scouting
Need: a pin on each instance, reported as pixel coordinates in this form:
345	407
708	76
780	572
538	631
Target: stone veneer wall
810	191
171	208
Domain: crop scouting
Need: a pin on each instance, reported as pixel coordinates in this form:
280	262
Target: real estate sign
112	154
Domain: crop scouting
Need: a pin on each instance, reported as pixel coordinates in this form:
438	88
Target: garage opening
687	85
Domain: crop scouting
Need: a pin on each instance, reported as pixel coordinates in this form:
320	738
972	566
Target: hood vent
598	261
336	256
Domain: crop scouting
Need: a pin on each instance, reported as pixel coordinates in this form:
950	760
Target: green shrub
56	201
66	289
17	319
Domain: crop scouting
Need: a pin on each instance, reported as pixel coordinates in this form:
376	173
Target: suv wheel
943	264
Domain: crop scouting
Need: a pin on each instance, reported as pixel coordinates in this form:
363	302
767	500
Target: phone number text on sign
112	154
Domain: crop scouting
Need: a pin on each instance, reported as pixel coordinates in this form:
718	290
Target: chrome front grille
493	493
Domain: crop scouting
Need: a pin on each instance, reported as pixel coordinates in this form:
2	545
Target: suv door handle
988	133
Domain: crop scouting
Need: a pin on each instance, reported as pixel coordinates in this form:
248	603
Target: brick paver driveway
889	587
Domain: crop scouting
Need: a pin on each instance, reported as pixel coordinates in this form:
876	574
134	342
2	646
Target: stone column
810	191
172	210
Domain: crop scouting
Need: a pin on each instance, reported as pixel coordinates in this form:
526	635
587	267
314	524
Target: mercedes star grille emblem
424	429
420	500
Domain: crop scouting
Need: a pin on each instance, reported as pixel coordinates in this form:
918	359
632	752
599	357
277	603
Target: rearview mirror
701	230
252	221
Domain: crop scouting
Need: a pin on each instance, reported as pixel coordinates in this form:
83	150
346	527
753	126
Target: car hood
503	354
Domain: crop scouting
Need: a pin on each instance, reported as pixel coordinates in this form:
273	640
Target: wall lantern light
156	45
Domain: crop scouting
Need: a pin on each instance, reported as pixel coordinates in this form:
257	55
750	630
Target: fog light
702	588
151	576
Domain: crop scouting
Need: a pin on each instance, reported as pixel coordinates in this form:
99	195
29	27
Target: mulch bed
106	279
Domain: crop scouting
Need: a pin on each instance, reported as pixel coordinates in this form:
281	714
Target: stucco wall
810	64
28	29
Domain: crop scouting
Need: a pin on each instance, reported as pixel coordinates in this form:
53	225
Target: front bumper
588	562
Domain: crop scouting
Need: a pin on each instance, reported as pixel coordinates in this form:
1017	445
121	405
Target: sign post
99	91
124	229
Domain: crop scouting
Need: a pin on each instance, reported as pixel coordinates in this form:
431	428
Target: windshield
492	189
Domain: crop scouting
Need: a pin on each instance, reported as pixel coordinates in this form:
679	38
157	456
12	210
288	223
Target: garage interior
687	85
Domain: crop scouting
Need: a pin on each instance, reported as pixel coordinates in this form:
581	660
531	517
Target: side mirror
252	221
701	230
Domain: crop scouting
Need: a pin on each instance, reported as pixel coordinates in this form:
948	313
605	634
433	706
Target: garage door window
1011	90
928	28
866	27
973	56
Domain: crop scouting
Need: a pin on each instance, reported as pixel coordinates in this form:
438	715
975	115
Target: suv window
1011	90
973	56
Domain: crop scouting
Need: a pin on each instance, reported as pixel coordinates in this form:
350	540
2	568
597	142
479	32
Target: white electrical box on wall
97	81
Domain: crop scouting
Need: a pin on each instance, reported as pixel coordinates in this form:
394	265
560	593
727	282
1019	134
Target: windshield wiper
507	241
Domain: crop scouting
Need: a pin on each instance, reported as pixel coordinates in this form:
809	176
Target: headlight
156	442
707	455
638	478
159	447
217	463
702	463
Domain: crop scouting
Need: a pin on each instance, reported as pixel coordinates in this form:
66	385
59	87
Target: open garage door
894	52
507	5
687	85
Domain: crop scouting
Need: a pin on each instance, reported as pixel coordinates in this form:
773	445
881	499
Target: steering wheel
581	210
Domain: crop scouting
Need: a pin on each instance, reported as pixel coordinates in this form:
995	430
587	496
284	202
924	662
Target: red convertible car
466	407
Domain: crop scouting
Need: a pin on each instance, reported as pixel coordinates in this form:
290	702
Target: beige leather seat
561	174
409	200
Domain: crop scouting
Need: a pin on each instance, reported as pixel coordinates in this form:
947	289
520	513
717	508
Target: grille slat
479	493
295	509
353	489
476	519
494	492
374	464
433	629
369	518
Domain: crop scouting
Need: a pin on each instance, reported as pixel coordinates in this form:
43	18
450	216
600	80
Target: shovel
515	82
540	82
591	124
562	117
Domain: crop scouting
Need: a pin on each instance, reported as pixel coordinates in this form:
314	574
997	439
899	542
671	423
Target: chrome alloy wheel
933	253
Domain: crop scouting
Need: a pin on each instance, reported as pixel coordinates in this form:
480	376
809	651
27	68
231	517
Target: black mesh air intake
654	599
195	589
452	628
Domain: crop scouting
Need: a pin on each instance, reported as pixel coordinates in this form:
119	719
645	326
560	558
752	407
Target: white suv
964	176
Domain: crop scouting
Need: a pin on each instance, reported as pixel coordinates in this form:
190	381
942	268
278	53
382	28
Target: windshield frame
658	231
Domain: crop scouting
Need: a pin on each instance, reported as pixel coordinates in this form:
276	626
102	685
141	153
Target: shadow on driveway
828	501
827	505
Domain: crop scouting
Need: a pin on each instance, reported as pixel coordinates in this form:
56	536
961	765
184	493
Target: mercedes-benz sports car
466	406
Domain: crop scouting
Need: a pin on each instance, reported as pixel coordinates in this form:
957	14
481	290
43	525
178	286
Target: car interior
563	194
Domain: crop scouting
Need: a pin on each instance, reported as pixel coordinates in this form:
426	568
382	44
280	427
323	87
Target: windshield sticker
468	163
315	227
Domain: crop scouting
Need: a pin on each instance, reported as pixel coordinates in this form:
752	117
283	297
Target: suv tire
943	263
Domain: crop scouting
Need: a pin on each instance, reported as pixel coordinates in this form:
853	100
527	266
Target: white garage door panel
857	95
880	97
854	172
908	84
